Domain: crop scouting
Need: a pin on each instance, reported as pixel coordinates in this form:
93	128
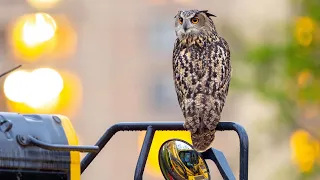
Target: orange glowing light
303	78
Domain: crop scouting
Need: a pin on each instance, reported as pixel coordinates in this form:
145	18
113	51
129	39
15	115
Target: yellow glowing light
46	86
43	4
66	38
38	30
70	98
304	38
67	102
305	27
305	150
36	89
33	36
152	166
16	85
305	23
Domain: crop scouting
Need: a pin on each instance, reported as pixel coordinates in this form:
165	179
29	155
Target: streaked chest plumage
199	65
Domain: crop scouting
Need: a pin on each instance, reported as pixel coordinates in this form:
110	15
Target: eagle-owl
201	73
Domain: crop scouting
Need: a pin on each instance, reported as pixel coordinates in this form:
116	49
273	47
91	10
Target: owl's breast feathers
202	71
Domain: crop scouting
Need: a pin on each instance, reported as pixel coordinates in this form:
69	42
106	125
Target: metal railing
213	154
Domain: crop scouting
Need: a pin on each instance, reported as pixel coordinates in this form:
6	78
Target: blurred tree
289	75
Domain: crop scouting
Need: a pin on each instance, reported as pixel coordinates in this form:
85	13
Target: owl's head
194	23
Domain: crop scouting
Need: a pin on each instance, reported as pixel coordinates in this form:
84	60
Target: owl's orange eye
180	20
195	20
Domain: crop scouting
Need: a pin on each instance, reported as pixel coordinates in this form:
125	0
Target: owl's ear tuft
207	13
179	12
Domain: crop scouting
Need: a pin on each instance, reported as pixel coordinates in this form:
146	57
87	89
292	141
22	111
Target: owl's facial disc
190	23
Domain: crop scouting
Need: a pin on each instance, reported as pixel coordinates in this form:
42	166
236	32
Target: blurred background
101	62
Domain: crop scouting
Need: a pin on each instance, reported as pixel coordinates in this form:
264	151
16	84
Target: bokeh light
38	30
305	150
70	98
43	4
45	86
66	38
15	86
305	27
303	78
36	89
152	166
67	102
39	35
33	36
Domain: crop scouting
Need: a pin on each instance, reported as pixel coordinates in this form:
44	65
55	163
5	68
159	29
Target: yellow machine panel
35	146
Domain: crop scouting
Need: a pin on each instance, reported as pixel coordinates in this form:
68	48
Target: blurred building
122	58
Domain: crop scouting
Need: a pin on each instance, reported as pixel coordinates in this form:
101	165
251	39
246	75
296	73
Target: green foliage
289	73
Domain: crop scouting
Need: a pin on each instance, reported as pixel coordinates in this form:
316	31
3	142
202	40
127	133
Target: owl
201	73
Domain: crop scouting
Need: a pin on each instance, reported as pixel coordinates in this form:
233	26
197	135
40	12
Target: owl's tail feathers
203	140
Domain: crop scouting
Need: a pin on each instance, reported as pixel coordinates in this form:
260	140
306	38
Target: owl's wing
226	74
217	82
176	73
217	64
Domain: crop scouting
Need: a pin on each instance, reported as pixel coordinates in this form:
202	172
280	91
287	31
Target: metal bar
244	146
244	151
221	162
127	126
60	147
105	138
140	126
9	71
144	153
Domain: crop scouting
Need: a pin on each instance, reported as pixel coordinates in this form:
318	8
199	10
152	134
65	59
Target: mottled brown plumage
201	72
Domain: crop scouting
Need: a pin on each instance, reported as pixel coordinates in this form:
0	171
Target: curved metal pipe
31	141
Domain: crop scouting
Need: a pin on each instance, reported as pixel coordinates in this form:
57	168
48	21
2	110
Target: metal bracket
221	162
151	127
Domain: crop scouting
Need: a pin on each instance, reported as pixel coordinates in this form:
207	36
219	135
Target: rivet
56	119
5	127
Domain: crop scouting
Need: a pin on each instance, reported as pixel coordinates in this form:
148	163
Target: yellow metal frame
72	140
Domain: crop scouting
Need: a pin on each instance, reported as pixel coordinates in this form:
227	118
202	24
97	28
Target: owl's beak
185	27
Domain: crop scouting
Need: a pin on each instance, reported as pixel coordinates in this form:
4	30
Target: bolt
22	140
56	119
6	126
2	120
